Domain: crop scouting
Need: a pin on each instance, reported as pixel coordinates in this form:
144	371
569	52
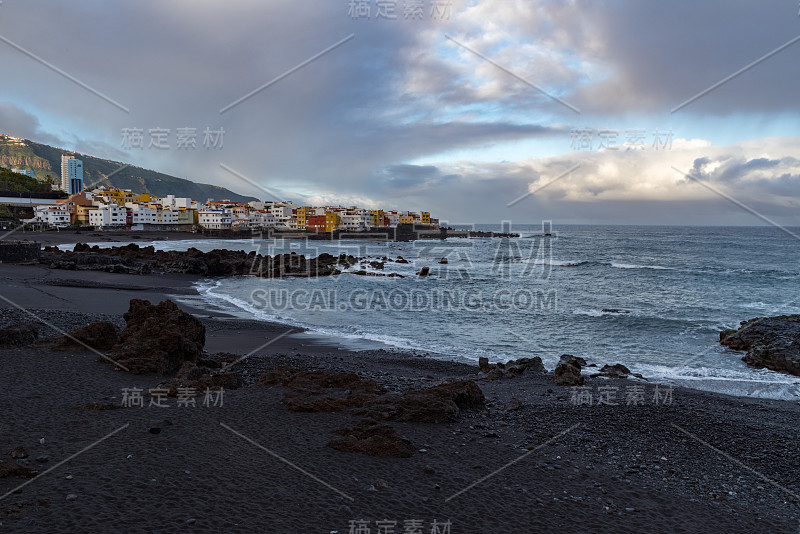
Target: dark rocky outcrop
568	371
425	271
770	342
438	404
18	335
322	391
613	371
374	440
133	259
100	335
511	368
197	377
158	339
11	469
329	391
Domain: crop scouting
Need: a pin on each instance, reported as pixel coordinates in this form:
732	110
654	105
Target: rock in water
770	342
158	339
568	371
613	371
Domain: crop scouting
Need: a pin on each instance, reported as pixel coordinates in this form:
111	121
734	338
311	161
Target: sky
587	112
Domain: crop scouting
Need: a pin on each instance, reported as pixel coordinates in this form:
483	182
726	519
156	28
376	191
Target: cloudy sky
477	110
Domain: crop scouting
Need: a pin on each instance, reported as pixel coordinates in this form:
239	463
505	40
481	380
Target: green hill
45	160
20	183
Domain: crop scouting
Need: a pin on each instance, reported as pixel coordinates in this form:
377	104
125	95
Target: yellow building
302	217
331	221
82	214
377	218
120	197
425	217
406	219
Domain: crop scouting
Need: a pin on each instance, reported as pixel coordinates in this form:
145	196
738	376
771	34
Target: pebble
191	521
71	497
155	430
42	459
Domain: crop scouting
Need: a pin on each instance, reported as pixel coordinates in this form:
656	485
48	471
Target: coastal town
105	208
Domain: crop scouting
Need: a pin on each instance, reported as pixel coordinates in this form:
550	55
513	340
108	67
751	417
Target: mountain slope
45	160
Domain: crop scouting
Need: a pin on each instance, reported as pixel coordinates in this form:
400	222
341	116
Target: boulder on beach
100	335
568	371
12	469
437	404
376	440
613	371
322	391
18	335
331	391
158	339
770	342
511	368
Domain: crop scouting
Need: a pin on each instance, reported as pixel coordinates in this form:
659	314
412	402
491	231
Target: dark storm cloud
399	91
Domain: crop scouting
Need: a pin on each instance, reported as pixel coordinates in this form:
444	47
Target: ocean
652	298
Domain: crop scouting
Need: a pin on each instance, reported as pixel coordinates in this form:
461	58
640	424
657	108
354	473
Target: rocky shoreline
771	342
402	435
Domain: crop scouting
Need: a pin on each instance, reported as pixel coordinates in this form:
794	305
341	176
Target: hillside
45	160
11	182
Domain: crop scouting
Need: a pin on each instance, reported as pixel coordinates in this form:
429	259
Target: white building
355	220
108	215
282	212
261	219
167	216
394	218
214	219
170	201
23	171
141	214
56	216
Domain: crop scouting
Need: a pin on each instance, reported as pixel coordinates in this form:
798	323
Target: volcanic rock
378	440
613	371
770	342
18	335
568	371
436	404
100	335
158	339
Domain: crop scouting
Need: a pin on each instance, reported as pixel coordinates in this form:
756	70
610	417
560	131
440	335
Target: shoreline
784	387
568	467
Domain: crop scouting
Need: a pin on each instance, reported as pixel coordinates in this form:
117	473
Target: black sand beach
532	460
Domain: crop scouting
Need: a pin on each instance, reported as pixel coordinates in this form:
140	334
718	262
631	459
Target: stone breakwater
19	252
133	259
